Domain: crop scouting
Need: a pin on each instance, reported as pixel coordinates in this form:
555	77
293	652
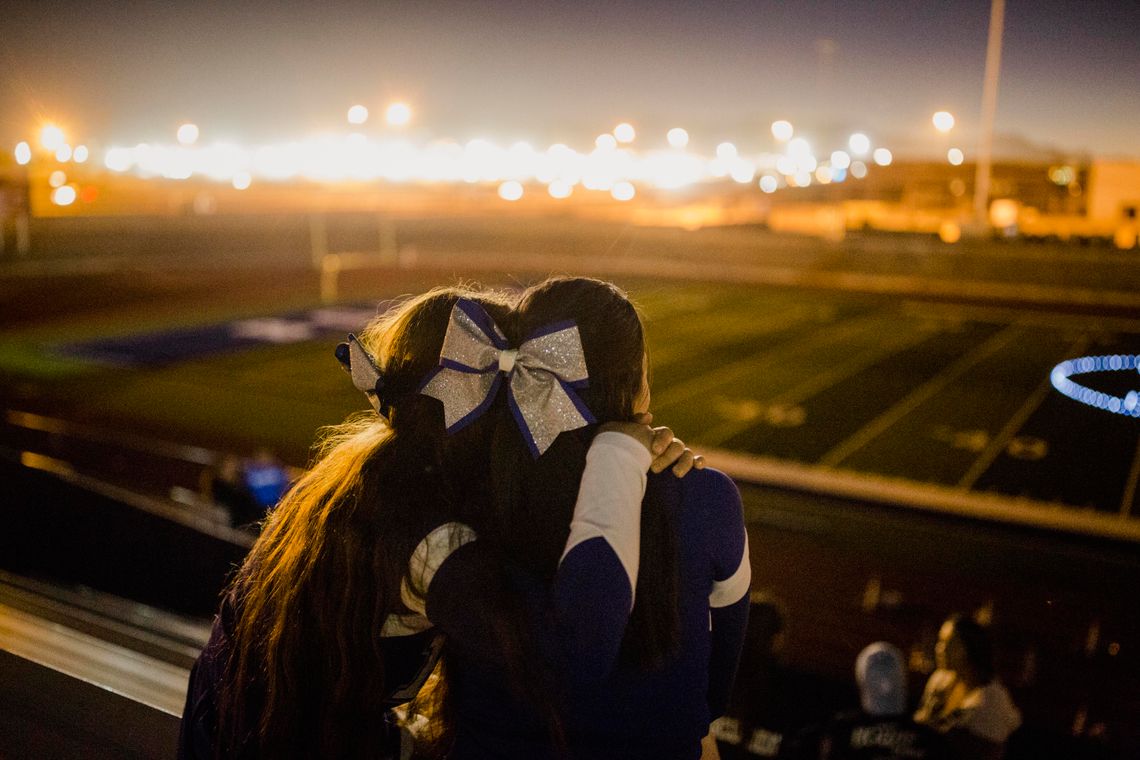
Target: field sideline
934	393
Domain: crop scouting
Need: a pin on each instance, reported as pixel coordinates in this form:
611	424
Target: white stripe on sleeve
732	589
609	498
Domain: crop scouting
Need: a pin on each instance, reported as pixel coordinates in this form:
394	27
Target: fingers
669	456
688	461
662	437
645	418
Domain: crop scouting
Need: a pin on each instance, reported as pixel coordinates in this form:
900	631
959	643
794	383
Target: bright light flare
782	130
80	154
57	179
623	191
398	115
63	153
560	188
357	114
677	137
943	121
242	181
606	142
63	196
840	159
726	151
51	137
955	156
625	133
23	153
858	170
511	190
188	134
768	183
859	143
882	156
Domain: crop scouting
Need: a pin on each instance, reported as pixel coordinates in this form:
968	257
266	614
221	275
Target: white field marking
741	368
1000	441
834	374
908	494
1130	487
1003	315
918	396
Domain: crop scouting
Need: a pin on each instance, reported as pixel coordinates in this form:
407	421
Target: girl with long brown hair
674	662
332	619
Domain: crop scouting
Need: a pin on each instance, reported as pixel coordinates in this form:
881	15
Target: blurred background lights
677	137
606	142
882	156
840	159
823	175
511	190
560	188
1062	175
51	137
803	178
858	170
188	134
726	151
80	154
799	148
623	191
743	172
357	114
57	179
242	180
955	156
768	183
624	133
943	121
63	153
782	130
63	196
859	144
398	114
23	153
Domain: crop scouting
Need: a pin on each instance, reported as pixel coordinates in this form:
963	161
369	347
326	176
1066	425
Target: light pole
989	108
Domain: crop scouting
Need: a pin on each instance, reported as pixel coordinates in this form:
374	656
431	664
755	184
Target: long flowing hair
306	673
533	500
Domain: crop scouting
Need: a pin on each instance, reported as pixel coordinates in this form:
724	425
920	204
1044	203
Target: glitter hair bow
541	375
360	365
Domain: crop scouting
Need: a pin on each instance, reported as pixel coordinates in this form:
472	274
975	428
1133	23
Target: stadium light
782	130
677	137
943	121
398	114
23	153
625	133
188	134
51	137
357	114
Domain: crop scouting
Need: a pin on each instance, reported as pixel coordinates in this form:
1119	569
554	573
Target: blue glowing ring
1129	406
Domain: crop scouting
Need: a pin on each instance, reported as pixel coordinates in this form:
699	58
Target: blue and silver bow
541	375
359	364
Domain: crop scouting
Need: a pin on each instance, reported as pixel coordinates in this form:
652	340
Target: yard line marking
1002	439
917	397
836	373
1005	315
700	384
1130	487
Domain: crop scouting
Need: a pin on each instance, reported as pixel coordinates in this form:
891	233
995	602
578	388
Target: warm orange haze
327	332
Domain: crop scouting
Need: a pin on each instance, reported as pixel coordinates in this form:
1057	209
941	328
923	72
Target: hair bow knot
541	374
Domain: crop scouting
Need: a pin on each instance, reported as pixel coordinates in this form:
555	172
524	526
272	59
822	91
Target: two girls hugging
493	562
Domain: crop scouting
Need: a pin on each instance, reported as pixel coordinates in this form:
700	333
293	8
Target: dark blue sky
131	71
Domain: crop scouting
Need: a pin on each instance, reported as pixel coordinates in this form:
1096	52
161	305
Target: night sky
259	71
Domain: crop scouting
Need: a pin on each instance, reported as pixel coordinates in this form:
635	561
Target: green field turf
933	393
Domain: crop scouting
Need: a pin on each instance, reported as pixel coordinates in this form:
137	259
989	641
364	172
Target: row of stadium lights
610	166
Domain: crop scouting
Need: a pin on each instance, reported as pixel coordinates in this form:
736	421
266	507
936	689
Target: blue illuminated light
1129	406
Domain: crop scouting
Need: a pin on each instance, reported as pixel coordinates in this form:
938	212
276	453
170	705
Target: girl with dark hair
963	698
332	619
680	575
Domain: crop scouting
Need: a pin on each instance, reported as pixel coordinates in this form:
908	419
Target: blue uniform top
608	708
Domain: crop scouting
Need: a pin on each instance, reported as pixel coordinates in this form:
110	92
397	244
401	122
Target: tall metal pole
989	108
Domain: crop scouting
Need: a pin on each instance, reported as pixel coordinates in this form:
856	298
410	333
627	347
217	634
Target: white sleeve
732	589
428	557
609	498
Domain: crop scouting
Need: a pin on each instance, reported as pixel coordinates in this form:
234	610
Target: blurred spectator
247	488
963	698
770	703
881	729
